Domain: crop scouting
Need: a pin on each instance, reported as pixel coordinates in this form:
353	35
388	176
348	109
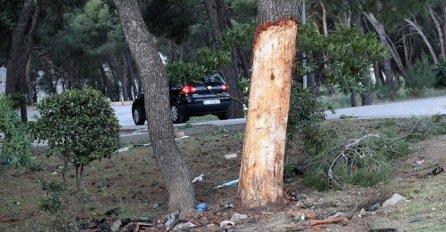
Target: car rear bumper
197	107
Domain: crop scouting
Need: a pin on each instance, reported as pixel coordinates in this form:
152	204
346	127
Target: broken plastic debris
183	137
198	178
231	156
123	149
228	184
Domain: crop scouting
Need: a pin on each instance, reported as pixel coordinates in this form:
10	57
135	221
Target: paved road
404	109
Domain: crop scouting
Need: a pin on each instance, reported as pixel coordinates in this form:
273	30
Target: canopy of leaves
78	125
344	56
15	146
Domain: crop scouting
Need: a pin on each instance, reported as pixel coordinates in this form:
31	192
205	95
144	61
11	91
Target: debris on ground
374	207
114	212
172	220
328	221
198	178
185	226
227	224
228	184
201	207
417	219
435	172
231	156
239	218
395	199
179	133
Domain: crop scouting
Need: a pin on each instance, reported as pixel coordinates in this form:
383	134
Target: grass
339	100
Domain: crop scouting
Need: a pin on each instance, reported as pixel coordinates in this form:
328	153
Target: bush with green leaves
79	126
52	201
440	70
420	77
15	144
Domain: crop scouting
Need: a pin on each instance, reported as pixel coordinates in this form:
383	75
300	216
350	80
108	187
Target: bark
29	82
425	39
125	77
444	20
354	102
21	47
261	174
440	33
213	23
156	100
324	18
219	23
406	50
367	97
379	28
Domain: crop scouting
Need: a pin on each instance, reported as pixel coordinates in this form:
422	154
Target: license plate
211	102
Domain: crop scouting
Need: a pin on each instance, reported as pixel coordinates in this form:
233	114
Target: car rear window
214	78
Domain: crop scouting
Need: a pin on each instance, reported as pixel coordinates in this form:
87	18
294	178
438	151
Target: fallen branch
327	221
342	154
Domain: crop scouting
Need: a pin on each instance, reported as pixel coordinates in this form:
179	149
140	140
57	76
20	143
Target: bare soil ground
131	181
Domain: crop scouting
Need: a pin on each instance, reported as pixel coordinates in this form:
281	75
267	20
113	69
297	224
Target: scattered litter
374	207
231	156
419	162
142	145
361	213
114	211
201	207
238	218
328	221
395	199
227	224
435	172
54	173
156	205
115	226
227	206
228	184
172	220
183	137
416	219
123	149
198	178
179	134
337	214
185	226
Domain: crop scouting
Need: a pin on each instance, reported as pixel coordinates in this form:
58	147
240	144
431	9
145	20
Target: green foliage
420	76
304	120
440	69
15	146
212	60
241	35
184	72
78	125
348	54
51	202
207	62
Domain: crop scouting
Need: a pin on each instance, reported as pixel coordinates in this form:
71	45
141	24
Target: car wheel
138	115
177	116
223	116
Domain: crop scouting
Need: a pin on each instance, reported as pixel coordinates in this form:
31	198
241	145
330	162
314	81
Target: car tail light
225	88
188	89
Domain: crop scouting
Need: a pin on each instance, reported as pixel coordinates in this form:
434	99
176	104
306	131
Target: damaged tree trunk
261	174
156	89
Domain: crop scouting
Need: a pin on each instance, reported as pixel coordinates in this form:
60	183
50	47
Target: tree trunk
440	33
156	100
367	97
354	102
213	23
425	39
261	174
379	28
21	47
124	77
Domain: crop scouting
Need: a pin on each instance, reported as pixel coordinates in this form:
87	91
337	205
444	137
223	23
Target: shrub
420	76
15	147
440	70
79	127
51	202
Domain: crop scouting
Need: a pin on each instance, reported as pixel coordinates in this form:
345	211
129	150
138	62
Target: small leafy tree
15	146
420	77
79	127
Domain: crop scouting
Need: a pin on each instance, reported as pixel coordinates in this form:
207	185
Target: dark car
209	96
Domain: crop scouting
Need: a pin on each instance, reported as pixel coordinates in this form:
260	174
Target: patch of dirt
131	181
